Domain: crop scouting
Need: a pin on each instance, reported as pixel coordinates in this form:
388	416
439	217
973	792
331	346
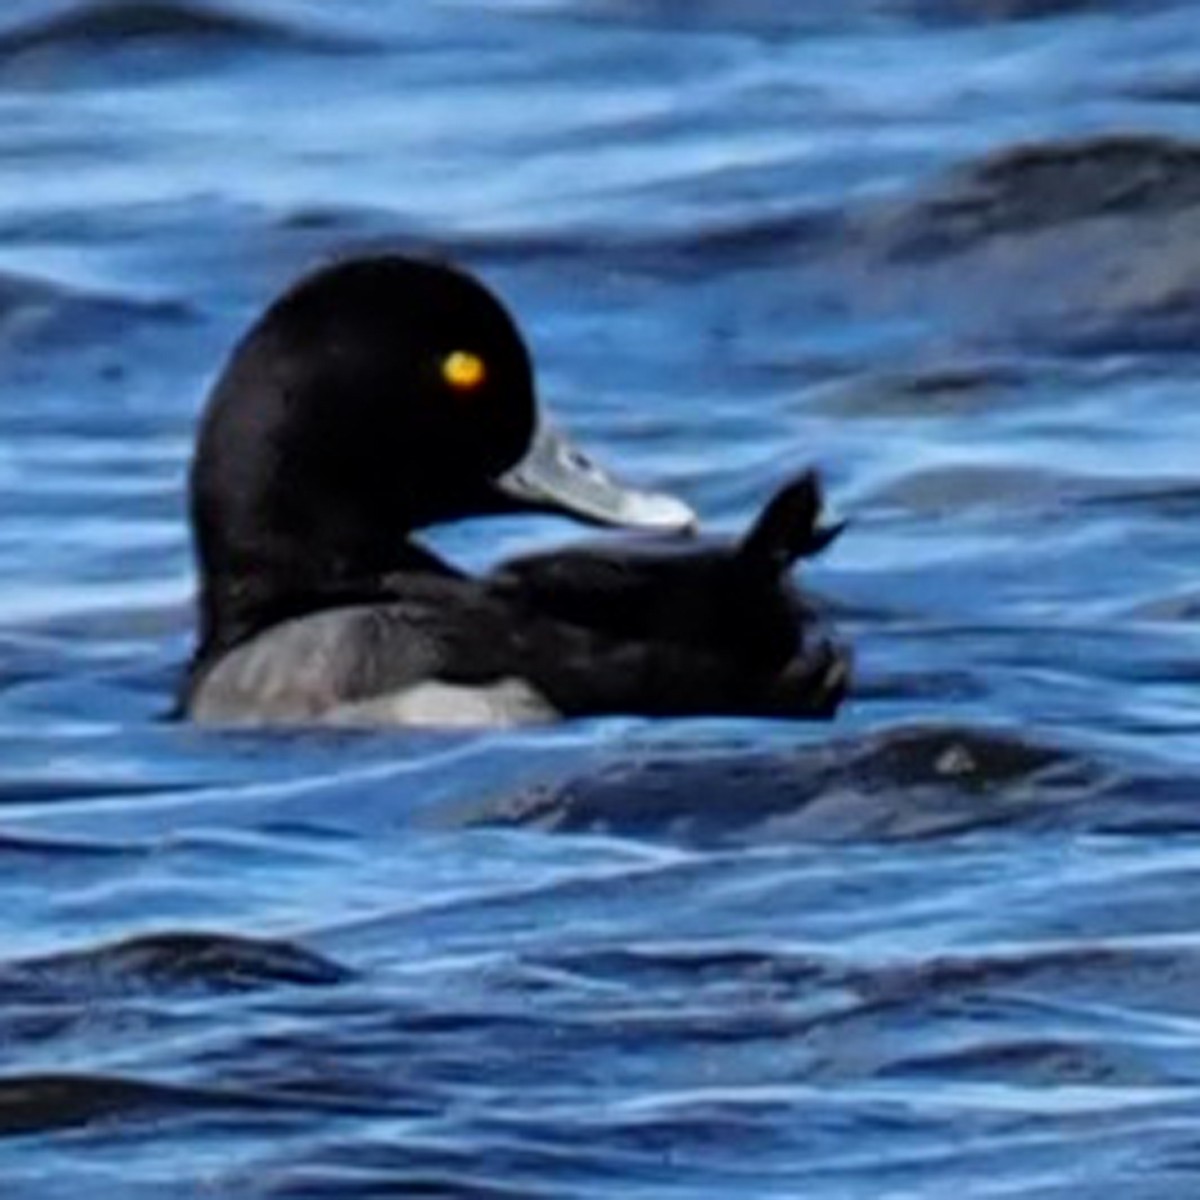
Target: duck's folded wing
701	590
626	590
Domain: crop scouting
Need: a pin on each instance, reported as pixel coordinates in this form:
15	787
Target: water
945	945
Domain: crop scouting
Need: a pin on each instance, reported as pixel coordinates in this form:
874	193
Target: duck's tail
789	527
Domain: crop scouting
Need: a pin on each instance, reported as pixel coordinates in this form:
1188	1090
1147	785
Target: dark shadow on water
907	783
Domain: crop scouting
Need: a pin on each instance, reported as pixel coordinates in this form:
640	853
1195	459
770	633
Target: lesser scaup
384	394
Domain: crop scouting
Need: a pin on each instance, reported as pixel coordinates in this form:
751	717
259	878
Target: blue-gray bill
556	475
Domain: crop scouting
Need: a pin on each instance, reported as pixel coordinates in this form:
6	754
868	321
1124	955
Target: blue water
945	946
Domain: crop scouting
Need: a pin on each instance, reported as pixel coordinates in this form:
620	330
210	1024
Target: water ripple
89	27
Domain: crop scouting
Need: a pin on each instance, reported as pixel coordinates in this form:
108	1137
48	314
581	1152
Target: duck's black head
374	397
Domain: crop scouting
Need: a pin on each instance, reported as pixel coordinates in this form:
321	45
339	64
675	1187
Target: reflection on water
949	251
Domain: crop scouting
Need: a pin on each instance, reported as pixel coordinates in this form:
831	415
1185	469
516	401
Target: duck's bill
558	477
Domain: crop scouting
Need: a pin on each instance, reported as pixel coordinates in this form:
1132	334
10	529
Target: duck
384	394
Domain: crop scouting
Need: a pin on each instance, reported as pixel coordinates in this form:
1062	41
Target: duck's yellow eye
463	371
